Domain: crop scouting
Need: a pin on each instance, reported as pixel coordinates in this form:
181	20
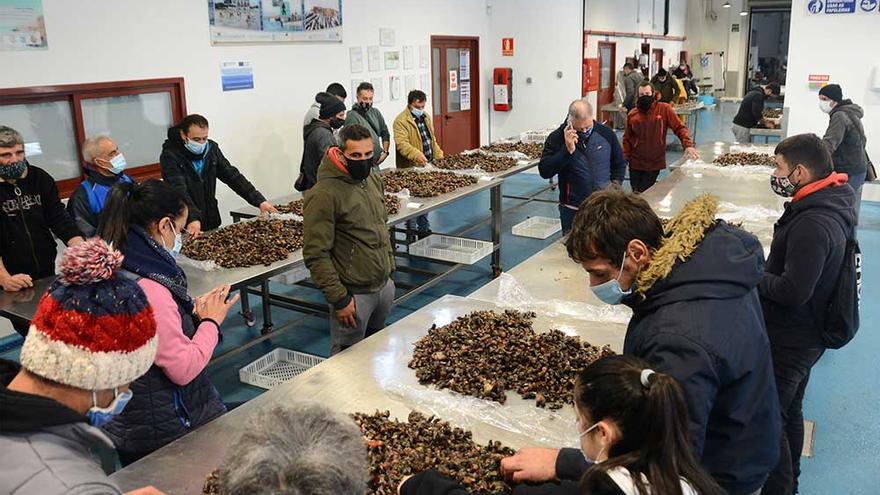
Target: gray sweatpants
741	134
371	310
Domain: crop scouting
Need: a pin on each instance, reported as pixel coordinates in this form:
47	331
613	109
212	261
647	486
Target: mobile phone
568	122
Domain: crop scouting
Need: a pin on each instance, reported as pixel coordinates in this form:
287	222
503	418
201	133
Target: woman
175	396
632	424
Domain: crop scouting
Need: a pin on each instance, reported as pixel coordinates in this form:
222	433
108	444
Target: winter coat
751	109
597	160
87	201
408	140
631	88
644	139
846	140
317	139
31	212
200	191
346	244
371	119
45	446
668	89
806	255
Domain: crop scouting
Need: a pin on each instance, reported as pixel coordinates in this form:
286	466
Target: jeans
642	180
792	369
371	311
566	215
742	134
422	223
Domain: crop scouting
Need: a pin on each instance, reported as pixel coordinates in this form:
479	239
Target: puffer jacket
45	447
846	140
346	244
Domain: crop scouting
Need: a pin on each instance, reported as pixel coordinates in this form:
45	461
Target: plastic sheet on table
752	213
282	216
207	265
751	148
750	171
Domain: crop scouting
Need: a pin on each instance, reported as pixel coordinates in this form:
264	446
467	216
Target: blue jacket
597	160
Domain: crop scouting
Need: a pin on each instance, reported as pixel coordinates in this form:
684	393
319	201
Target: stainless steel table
691	115
373	375
710	151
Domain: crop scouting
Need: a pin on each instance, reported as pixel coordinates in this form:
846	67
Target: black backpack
842	313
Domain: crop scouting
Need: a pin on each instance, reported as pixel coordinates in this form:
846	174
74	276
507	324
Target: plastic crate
453	249
538	227
292	277
276	368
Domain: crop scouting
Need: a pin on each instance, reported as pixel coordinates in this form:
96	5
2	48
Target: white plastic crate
538	227
292	277
453	249
276	368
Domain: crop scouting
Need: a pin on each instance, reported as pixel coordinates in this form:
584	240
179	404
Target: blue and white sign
868	5
237	75
840	6
815	6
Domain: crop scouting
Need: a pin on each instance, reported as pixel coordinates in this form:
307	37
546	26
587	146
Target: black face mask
364	105
336	123
359	169
645	102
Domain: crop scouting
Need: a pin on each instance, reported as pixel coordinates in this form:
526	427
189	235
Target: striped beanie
93	329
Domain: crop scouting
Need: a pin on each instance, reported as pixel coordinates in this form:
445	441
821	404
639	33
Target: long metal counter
691	115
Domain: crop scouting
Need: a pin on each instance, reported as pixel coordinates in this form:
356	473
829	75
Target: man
335	89
192	163
365	114
318	137
630	81
31	213
751	111
105	167
416	144
644	139
586	156
683	73
806	257
666	86
347	248
845	138
93	333
323	454
696	316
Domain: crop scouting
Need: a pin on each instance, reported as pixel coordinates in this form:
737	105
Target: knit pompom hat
93	329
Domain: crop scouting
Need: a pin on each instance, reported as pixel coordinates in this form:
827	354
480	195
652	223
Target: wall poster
239	21
22	26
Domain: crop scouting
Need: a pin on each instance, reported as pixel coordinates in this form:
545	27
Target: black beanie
832	92
330	105
662	72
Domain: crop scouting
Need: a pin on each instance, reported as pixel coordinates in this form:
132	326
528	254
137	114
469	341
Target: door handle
447	116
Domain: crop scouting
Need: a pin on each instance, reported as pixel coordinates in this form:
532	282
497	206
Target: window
55	120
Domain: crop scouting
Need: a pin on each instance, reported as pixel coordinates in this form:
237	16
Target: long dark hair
141	204
653	421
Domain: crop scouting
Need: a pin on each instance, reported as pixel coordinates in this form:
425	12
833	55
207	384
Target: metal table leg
495	206
267	310
246	312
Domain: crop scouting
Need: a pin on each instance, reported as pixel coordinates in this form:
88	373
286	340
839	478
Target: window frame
74	94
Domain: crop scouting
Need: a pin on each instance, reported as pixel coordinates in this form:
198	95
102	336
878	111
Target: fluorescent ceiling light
743	13
726	5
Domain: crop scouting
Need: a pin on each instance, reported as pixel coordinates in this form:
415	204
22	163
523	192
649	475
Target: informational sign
500	94
237	75
394	87
453	80
816	7
378	90
373	58
356	59
22	26
869	6
464	65
386	37
817	81
392	60
409	57
238	21
465	95
507	47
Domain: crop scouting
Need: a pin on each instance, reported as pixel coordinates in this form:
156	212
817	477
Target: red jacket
644	140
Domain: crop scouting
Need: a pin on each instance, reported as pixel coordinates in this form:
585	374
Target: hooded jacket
846	140
45	446
751	109
80	206
668	89
317	139
31	212
346	244
644	139
809	241
200	190
630	83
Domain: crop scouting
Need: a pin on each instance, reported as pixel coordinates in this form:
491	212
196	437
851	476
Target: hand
194	229
535	465
382	156
214	305
13	283
692	153
74	241
571	139
421	159
147	490
347	316
267	207
403	482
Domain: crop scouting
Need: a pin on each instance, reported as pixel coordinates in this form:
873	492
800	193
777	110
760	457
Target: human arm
173	175
677	127
16	282
757	110
555	157
835	133
618	162
628	139
232	177
410	151
78	208
319	226
438	153
807	249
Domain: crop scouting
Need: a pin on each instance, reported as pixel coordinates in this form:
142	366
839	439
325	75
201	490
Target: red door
455	63
607	56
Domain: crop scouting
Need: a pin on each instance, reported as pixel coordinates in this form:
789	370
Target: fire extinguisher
502	85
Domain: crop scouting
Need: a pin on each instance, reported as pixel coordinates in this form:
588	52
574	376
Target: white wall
705	35
848	60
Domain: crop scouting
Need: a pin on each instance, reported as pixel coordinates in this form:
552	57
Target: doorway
656	61
455	71
768	47
607	56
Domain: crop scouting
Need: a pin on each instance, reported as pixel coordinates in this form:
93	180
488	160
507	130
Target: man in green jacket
365	114
347	248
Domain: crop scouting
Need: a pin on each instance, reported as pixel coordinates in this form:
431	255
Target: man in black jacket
31	212
696	316
318	137
751	111
192	163
806	256
845	137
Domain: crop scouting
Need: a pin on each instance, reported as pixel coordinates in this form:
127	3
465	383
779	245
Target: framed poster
392	60
245	21
22	26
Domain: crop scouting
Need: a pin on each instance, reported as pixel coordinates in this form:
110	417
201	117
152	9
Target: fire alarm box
502	85
591	76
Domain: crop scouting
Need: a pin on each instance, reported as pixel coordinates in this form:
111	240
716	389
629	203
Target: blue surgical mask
196	148
417	112
610	292
99	416
178	242
118	164
14	170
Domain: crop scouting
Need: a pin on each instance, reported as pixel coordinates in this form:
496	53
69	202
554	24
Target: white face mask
584	452
825	105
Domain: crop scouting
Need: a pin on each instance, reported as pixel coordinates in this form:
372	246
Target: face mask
118	164
586	457
645	102
178	242
359	169
364	105
336	123
610	292
825	105
14	170
783	185
418	112
197	148
99	416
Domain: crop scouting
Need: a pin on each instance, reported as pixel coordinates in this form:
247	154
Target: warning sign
819	78
453	80
506	47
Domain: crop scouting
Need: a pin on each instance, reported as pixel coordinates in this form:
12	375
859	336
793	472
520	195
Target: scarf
146	258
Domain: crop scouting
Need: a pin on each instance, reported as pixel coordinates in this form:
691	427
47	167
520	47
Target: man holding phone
586	156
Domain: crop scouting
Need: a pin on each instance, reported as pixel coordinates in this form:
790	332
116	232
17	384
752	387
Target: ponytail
141	205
